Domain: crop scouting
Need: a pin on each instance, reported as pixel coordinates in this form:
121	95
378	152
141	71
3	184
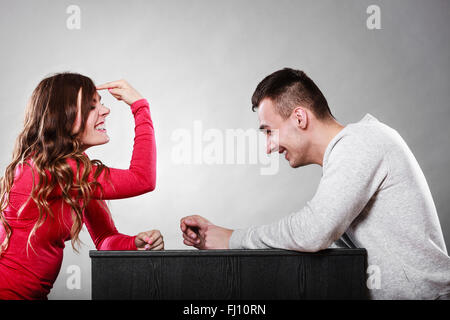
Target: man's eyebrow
263	127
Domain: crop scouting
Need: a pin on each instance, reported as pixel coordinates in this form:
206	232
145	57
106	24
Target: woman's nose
105	110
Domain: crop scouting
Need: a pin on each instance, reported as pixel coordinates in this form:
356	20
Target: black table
229	274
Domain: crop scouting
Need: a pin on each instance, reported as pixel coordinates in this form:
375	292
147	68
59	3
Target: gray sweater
373	190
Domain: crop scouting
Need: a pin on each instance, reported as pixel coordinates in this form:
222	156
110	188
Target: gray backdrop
201	60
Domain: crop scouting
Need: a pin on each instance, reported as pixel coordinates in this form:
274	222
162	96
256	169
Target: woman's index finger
109	85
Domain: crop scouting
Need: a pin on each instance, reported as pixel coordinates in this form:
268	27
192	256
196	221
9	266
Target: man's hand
202	234
149	240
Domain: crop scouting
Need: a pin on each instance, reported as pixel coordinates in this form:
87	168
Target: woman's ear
301	117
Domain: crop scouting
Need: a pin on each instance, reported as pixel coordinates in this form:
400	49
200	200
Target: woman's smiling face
95	131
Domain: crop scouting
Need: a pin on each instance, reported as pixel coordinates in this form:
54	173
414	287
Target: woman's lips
100	127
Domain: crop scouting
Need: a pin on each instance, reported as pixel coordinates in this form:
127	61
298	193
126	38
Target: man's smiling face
283	135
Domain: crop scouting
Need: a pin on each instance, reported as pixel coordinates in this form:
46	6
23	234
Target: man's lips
283	150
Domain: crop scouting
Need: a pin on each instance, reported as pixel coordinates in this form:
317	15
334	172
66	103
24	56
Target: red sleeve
140	177
100	225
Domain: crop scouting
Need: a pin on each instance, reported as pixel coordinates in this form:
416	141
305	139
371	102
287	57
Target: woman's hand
149	240
121	90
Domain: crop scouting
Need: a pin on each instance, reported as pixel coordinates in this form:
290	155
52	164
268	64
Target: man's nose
271	146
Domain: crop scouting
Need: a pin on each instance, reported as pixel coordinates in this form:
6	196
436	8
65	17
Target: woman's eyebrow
99	98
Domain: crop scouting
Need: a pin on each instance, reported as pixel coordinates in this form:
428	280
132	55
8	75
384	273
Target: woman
51	186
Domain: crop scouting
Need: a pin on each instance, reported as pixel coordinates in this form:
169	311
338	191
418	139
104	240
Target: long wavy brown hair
47	140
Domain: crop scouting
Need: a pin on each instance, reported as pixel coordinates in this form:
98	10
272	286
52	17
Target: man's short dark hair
289	88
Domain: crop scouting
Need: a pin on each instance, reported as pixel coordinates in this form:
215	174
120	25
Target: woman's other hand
121	90
149	240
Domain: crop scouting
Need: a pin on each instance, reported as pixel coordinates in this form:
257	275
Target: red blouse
31	275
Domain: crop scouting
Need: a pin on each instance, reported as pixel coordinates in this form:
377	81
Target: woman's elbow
99	244
150	189
147	183
148	186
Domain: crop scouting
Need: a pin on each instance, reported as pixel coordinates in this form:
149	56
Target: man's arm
353	173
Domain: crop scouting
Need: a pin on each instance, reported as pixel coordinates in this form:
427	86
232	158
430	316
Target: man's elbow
323	240
312	247
314	243
319	246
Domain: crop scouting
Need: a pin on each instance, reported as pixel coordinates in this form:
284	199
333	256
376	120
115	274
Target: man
372	192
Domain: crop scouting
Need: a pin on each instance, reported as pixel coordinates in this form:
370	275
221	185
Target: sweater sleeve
140	177
100	225
353	173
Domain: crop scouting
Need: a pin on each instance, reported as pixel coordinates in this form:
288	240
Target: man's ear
301	117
